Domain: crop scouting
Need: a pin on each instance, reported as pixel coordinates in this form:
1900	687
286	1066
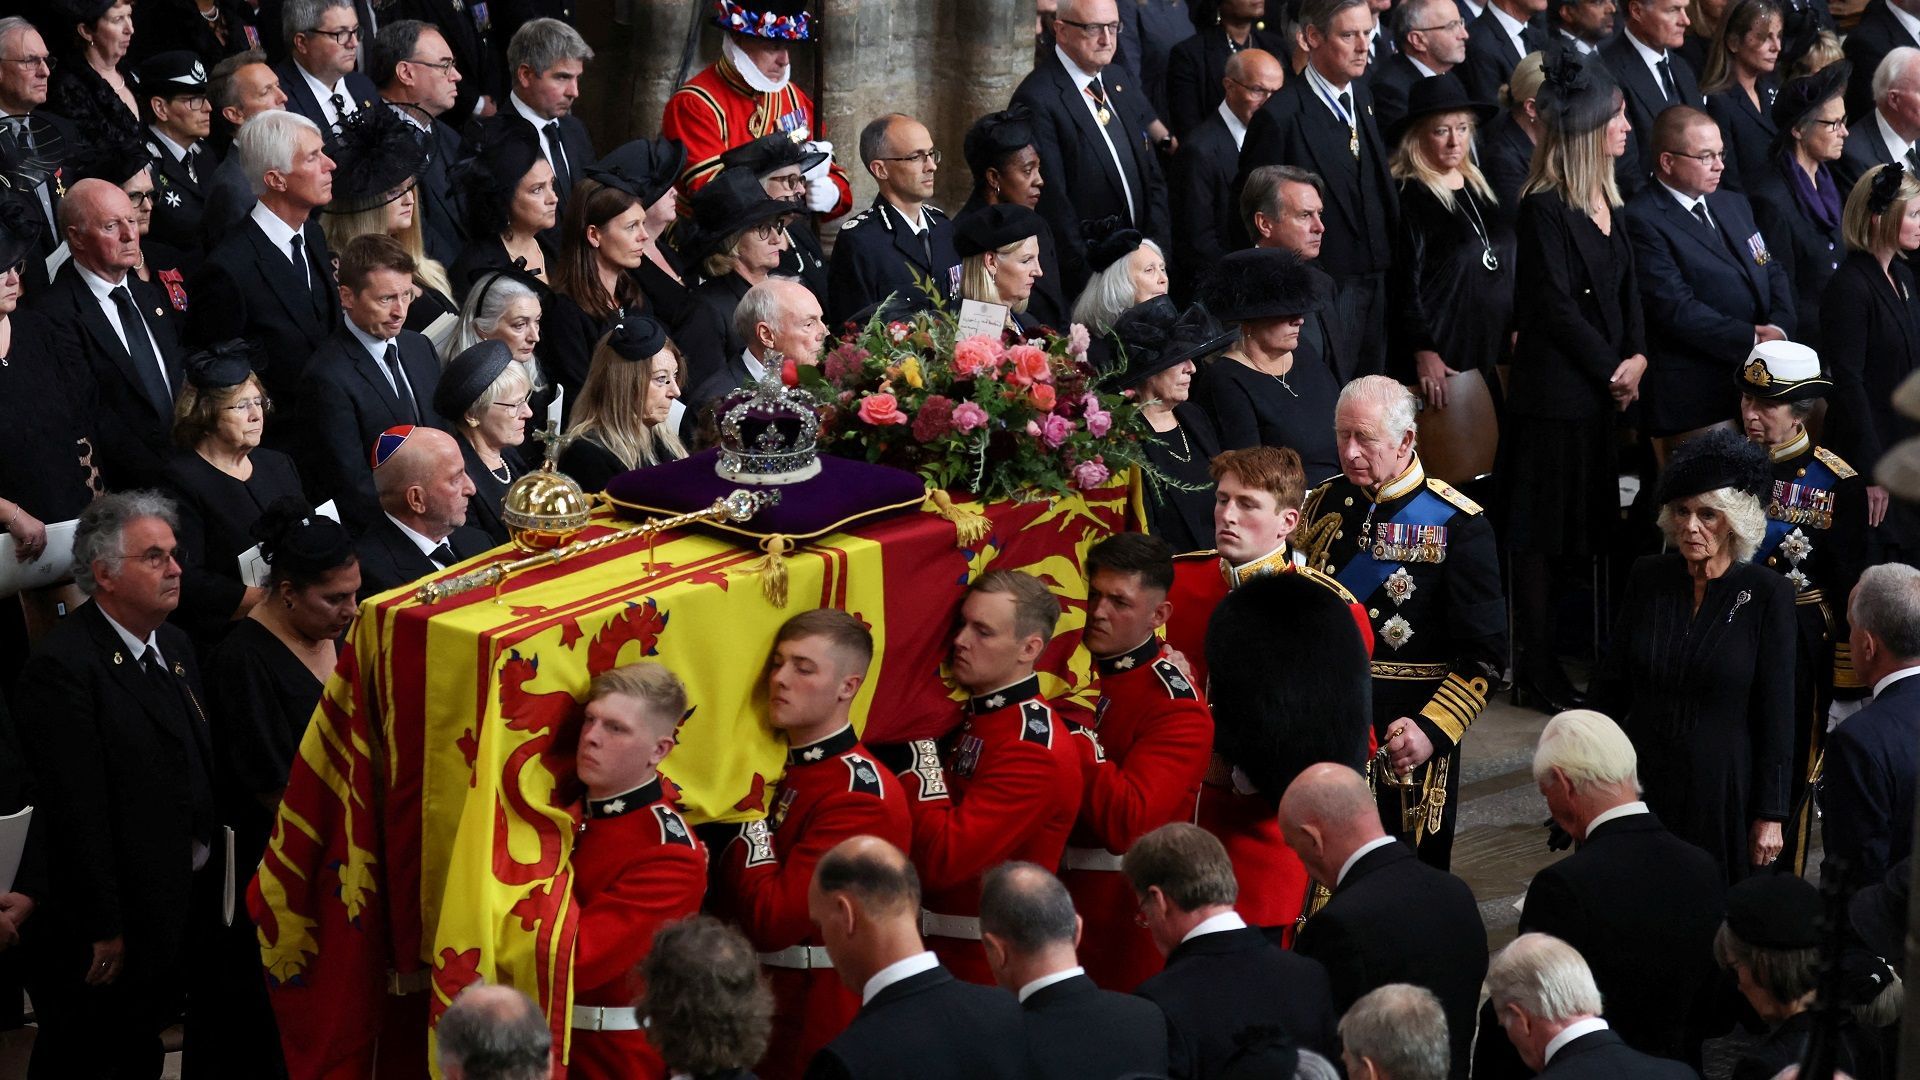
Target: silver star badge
1400	586
1796	546
996	701
1799	579
1396	631
614	807
814	754
173	198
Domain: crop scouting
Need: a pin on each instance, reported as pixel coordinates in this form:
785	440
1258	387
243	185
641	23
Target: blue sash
1818	476
1363	573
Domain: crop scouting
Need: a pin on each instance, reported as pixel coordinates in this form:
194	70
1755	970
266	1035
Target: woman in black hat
1699	671
999	250
1127	268
1796	197
739	238
223	480
488	400
510	200
1005	162
1578	360
378	160
1160	346
623	419
1256	394
88	86
782	164
1742	82
1452	278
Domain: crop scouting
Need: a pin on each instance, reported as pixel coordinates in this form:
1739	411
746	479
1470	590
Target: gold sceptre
739	506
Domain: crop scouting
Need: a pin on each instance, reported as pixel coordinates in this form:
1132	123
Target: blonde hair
1824	50
1408	162
340	229
608	410
1861	228
657	689
1575	167
976	281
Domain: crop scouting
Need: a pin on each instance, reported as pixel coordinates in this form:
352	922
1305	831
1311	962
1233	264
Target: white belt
1087	858
964	927
605	1018
801	957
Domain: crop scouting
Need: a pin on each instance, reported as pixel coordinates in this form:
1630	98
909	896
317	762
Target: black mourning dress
45	444
1444	296
1253	408
1184	519
483	509
216	514
1707	698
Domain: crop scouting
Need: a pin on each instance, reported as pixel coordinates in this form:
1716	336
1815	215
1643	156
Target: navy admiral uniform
182	175
1421	557
879	253
1817	538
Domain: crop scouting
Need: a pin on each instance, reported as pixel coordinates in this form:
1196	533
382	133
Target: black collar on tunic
1147	652
626	802
981	704
838	743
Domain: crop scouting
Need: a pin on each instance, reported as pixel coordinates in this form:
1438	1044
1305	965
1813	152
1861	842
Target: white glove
819	146
1840	710
822	195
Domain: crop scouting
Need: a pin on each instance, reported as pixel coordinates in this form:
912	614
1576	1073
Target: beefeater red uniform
1008	788
637	867
833	790
1154	737
716	111
1274	883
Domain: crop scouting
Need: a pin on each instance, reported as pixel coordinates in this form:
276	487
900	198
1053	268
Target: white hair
1892	70
1744	517
1589	748
266	143
1546	977
1397	405
1311	1066
762	304
486	303
102	527
1886	604
1401	1028
1109	292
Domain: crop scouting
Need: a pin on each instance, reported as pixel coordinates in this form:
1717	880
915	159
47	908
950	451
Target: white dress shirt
102	291
179	152
377	348
1371	845
1045	981
1907	21
1896	145
1080	80
896	971
425	545
323	94
1688	202
1894	677
1571	1032
1216	924
539	131
1514	28
1234	127
1623	810
280	235
1652	58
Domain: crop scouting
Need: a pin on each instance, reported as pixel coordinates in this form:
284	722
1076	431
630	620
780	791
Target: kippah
389	442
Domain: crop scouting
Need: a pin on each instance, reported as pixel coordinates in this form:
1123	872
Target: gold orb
544	509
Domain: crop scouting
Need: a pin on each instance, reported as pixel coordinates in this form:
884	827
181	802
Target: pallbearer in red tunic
834	789
636	867
1008	783
1256	507
1154	735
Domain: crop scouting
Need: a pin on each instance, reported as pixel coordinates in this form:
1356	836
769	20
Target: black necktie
443	555
1700	214
1913	158
299	258
193	164
400	388
562	171
1666	79
177	695
339	109
145	361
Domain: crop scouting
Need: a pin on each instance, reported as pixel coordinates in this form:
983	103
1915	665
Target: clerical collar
626	802
1147	652
981	704
835	744
1790	449
1277	561
1404	484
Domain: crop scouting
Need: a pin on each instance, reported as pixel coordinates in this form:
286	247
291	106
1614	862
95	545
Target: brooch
1796	546
1400	586
1396	631
1738	602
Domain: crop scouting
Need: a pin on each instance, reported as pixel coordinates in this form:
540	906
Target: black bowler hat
1156	335
643	168
468	376
1801	96
1259	283
776	20
637	338
1775	911
731	203
993	228
1576	92
1108	241
226	364
993	137
20	228
1718	459
771	153
1438	94
177	73
377	155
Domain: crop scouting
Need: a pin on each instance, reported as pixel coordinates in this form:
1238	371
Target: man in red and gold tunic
834	789
1155	735
748	93
1008	785
636	867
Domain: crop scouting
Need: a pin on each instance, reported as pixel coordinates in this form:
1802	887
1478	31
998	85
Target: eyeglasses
770	230
1830	125
516	406
31	61
1707	158
139	198
1449	27
1262	92
791	183
196	102
340	37
1105	29
444	67
156	558
247	405
918	158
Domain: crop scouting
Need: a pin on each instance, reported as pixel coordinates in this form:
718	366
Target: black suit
1871	39
1703	291
359	90
1219	986
1865	147
1746	131
1203	204
1808	251
1197	70
1506	153
1870	332
70	147
229	200
929	1026
121	762
469	35
1867	796
1083	183
1391	80
179	192
1491	55
349	402
1396	919
1646	100
134	434
1077	1031
1600	1055
390	559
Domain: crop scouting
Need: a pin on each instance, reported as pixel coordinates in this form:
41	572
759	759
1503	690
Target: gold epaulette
1209	553
1328	580
1835	462
1312	502
1455	498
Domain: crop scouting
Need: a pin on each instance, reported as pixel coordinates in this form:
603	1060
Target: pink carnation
881	410
1054	430
935	419
967	416
975	357
1090	474
1078	339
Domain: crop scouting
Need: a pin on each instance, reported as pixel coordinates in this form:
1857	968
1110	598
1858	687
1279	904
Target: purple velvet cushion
845	494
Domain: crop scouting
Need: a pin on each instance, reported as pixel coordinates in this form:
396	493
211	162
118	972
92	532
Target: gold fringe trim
969	528
772	568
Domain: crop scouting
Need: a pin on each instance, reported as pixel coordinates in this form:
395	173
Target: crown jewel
768	433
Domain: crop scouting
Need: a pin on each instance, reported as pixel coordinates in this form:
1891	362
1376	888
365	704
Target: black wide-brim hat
1155	335
771	153
776	20
222	365
1718	459
1259	283
643	168
1431	96
1803	95
1775	911
377	155
730	203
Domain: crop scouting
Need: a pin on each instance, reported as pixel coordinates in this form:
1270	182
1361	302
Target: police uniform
1421	558
1007	787
1817	538
877	254
833	790
637	866
180	184
1154	737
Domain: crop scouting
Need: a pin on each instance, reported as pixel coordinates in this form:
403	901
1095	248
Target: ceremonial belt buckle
1387	669
1083	858
961	927
605	1018
798	958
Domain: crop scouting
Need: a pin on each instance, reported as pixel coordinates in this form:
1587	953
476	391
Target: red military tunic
833	790
636	868
1155	735
716	111
1274	884
1009	789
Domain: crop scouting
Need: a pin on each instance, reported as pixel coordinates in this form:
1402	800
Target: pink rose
1099	423
1028	365
975	357
1078	339
1055	430
881	410
1089	474
1041	395
968	417
1033	428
